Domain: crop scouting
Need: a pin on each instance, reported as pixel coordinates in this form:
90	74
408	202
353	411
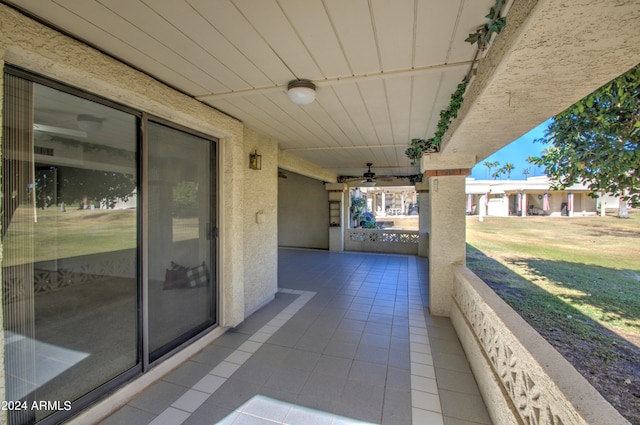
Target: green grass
566	276
78	232
69	234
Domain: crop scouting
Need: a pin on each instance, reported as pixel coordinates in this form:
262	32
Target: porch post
336	228
482	206
570	204
445	178
423	218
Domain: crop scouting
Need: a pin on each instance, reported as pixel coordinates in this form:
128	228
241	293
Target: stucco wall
260	216
303	212
446	214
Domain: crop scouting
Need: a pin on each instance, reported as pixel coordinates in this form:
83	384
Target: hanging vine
482	36
496	23
420	146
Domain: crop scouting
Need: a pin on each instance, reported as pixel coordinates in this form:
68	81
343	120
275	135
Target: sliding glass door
180	228
69	266
108	244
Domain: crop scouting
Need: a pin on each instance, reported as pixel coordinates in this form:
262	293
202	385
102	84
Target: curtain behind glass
18	218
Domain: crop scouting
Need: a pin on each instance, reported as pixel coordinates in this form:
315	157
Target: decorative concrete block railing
49	276
522	378
378	240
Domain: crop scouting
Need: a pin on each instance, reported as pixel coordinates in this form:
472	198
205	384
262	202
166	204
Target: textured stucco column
423	218
336	233
446	214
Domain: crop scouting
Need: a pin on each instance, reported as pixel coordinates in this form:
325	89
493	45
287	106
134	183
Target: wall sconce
255	160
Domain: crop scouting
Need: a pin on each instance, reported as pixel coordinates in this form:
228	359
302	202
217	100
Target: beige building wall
260	217
303	212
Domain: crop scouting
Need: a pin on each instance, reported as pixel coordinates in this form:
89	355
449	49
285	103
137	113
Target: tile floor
347	340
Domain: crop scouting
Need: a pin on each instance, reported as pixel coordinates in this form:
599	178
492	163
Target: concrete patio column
482	206
445	178
337	196
423	218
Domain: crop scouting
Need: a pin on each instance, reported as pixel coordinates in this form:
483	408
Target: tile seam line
303	298
415	338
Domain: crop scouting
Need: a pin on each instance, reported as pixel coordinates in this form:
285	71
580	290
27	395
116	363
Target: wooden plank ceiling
384	69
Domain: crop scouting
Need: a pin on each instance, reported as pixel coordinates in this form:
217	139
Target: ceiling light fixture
301	92
89	123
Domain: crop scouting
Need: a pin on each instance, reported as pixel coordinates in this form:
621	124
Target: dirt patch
591	230
618	381
612	232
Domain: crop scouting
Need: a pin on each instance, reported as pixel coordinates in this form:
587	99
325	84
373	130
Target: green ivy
415	178
420	146
482	36
496	23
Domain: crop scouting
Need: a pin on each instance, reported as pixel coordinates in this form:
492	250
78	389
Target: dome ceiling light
301	92
89	123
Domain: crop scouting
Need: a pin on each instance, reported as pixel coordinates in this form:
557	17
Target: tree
507	169
79	185
497	173
525	172
185	200
532	160
595	141
490	165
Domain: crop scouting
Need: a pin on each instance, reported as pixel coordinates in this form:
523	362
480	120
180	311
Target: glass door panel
69	265
180	217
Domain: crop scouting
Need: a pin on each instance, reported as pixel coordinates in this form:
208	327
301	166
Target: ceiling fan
369	177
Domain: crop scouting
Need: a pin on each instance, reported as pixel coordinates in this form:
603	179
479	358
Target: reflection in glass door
69	235
180	225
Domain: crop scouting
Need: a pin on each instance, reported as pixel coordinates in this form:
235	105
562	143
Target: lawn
577	281
77	232
71	233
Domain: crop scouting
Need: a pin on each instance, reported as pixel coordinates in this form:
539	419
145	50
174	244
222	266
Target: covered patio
379	338
348	340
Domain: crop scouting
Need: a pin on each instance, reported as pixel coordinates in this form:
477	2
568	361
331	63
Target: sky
516	153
